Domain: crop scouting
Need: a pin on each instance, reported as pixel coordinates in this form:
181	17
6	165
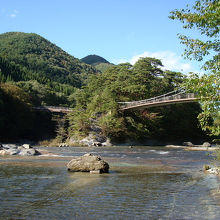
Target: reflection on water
154	186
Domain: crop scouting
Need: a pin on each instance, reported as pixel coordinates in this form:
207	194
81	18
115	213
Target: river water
143	183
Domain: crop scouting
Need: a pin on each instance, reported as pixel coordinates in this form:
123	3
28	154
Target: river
143	183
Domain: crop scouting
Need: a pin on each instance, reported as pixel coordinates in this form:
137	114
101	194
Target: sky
118	30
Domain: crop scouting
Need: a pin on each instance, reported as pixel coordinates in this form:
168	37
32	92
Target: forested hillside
31	57
33	72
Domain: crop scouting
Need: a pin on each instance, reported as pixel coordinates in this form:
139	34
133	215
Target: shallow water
143	183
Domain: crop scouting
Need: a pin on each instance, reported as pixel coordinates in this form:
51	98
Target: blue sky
118	30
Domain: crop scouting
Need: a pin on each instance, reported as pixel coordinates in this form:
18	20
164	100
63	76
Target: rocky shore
206	146
21	150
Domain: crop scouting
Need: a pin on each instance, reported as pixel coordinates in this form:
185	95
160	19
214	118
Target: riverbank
102	141
194	148
204	147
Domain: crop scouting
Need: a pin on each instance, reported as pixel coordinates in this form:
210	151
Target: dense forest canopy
42	69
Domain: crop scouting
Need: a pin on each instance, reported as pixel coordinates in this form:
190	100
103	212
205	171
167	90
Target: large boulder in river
88	163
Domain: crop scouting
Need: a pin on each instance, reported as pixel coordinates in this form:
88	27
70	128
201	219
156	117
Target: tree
204	16
97	103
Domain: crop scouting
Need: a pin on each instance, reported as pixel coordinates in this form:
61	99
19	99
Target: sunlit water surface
143	183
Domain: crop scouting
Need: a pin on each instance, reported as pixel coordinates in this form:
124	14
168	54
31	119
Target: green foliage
103	66
79	123
53	94
207	88
61	129
33	68
93	106
205	17
9	70
35	58
97	103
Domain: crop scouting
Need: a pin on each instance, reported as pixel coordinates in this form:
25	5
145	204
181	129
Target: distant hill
32	57
98	62
94	60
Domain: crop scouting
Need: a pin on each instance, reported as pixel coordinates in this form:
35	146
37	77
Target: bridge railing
158	99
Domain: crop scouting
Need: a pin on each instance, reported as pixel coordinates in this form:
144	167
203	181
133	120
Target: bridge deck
166	99
159	101
54	109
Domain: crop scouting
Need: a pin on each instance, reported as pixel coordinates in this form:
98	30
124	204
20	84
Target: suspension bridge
174	97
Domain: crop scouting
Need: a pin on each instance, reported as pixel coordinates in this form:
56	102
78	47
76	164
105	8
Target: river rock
188	143
28	152
107	143
27	146
214	170
206	144
97	144
12	149
87	163
63	145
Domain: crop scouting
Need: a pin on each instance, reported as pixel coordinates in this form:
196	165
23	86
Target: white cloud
14	14
170	61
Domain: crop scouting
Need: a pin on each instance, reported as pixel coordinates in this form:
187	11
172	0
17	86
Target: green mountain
32	57
93	59
98	62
